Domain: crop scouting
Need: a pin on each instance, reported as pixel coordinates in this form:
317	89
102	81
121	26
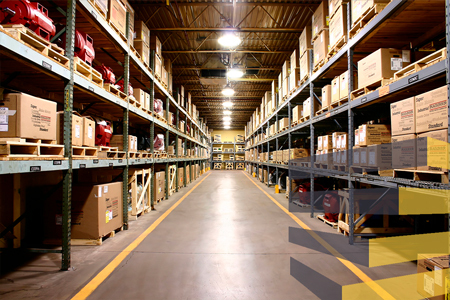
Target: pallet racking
63	83
389	28
234	152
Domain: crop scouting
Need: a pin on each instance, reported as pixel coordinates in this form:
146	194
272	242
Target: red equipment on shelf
304	189
84	47
103	133
31	14
107	74
121	87
158	142
158	107
331	206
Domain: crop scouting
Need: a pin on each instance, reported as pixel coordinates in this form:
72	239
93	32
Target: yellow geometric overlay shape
398	249
417	201
408	287
437	153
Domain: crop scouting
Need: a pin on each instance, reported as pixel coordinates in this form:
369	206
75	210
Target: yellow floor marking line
100	277
354	269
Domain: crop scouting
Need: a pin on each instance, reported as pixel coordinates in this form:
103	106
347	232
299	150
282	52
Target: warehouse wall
228	135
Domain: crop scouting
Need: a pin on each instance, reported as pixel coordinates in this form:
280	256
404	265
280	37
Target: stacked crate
304	46
294	76
155	45
142	41
285	71
338	25
320	34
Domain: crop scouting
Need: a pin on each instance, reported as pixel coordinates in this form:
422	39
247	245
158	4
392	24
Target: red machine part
304	189
158	142
158	106
103	133
120	83
331	206
30	14
84	47
107	74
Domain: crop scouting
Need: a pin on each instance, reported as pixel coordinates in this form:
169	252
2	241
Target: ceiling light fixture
234	73
227	112
227	118
227	123
227	127
228	104
229	40
228	91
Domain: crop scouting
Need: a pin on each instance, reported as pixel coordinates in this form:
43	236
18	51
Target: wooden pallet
113	90
84	152
145	154
38	43
134	102
422	64
338	103
134	155
319	65
82	68
106	148
433	176
371	171
365	19
84	242
370	88
322	218
120	33
304	119
159	154
337	47
322	111
98	8
30	149
341	168
159	117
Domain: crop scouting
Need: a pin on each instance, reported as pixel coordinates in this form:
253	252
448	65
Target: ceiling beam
254	29
238	4
237	79
178	67
230	51
222	97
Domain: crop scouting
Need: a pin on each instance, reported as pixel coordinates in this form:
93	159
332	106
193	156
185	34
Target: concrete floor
226	240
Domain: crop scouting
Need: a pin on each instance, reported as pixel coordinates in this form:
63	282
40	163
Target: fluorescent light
227	112
227	127
228	91
227	123
229	40
228	104
234	73
227	118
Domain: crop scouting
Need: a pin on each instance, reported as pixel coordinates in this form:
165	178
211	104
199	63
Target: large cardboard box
295	59
274	92
381	64
305	40
343	84
77	129
304	66
102	5
25	116
335	90
285	86
433	150
379	156
320	18
142	32
286	155
158	66
363	153
321	47
327	142
333	6
432	110
335	139
299	153
297	113
117	141
403	117
343	141
117	14
131	12
374	134
404	151
338	26
359	7
283	123
294	79
286	69
143	49
88	132
319	142
165	76
159	186
356	160
326	96
155	44
307	107
141	96
432	270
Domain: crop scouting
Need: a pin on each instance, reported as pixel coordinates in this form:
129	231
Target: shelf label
57	162
120	160
95	161
35	168
82	166
93	14
138	160
364	100
46	65
90	88
111	164
413	79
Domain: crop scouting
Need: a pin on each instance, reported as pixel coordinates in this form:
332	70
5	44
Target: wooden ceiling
189	31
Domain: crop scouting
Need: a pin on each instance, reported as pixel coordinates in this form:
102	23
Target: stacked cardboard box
285	71
366	152
117	141
338	27
360	7
294	76
142	41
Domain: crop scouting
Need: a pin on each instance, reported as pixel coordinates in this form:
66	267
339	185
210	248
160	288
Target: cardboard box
307	107
356	137
274	92
102	5
360	7
297	113
25	116
333	6
326	96
283	123
381	64
338	26
165	76
432	270
356	160
143	49
295	60
319	142
321	47
343	142
404	151
374	134
304	66
142	32
343	84
117	141
363	153
320	18
431	110
344	155
379	156
155	44
286	155
294	79
403	117
285	87
327	142
141	96
286	69
77	129
305	40
334	138
336	157
158	66
433	150
159	187
168	65
335	90
130	11
88	132
299	153
117	14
